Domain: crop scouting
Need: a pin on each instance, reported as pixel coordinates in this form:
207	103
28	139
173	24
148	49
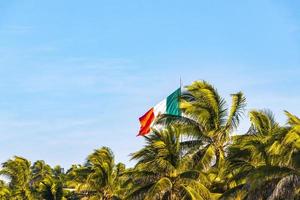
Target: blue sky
76	75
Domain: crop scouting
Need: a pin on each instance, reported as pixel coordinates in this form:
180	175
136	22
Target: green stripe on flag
173	103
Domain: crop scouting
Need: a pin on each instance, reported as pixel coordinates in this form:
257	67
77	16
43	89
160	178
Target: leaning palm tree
98	178
163	170
207	125
17	171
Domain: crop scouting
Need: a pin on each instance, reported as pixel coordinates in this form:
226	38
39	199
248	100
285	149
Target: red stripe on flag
146	121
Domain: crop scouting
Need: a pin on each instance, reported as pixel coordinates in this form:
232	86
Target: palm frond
159	188
292	119
236	111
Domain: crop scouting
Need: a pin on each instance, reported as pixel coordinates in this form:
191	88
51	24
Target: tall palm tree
207	124
17	171
163	170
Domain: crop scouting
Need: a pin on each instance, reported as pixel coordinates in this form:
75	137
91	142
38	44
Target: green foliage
5	192
99	178
17	170
196	156
163	170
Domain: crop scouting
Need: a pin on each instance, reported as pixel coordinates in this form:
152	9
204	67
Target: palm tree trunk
286	188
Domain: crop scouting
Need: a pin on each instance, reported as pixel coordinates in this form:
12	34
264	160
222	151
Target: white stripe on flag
160	108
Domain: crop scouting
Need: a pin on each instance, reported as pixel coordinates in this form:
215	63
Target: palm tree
47	183
51	188
5	193
39	171
260	162
206	126
195	156
289	155
163	170
17	171
99	177
291	141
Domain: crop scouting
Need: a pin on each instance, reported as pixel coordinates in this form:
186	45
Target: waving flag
170	105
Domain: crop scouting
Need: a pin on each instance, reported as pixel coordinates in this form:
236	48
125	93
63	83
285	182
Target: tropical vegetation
200	155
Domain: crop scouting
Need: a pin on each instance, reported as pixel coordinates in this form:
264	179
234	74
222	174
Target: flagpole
146	137
180	82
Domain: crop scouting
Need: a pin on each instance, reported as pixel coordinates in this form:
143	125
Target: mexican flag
170	105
